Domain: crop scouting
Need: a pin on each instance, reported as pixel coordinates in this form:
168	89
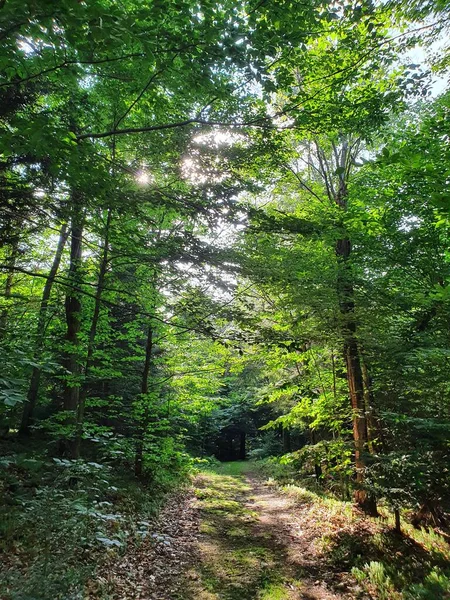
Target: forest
224	299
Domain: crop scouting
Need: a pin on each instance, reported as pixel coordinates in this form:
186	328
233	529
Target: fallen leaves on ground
154	568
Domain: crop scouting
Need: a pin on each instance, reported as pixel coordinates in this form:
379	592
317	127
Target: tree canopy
224	232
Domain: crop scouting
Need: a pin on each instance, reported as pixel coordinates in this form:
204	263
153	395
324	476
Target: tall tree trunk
139	455
73	320
8	287
354	374
374	430
335	177
28	409
93	330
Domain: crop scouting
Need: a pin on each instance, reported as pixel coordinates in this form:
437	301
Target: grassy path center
250	544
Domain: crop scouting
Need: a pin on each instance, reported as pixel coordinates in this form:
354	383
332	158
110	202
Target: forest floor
253	543
237	537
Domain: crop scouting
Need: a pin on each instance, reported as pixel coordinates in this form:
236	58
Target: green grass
237	468
238	561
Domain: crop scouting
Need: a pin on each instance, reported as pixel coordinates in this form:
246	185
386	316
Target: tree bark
28	409
337	191
355	382
8	288
398	526
71	394
139	455
93	330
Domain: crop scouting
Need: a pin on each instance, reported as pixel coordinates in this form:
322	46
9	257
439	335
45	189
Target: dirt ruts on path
254	545
233	536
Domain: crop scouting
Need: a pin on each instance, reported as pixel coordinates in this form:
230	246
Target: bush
267	445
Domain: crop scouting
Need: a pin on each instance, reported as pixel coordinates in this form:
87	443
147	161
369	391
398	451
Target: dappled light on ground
250	544
259	541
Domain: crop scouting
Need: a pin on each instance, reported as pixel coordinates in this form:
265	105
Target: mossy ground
260	541
239	558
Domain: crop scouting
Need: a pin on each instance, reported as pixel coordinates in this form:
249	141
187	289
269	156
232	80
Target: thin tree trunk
28	409
345	291
317	467
93	330
286	437
73	320
8	288
398	527
139	456
376	442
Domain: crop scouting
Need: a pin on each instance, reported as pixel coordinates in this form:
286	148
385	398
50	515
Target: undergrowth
412	566
62	519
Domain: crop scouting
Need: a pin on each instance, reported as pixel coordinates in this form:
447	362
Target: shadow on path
251	546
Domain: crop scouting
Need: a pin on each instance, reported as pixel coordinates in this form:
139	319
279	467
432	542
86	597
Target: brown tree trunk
398	525
29	406
139	455
376	442
354	374
73	320
93	331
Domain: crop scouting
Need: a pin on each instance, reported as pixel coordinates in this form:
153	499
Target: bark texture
139	456
33	390
71	394
354	374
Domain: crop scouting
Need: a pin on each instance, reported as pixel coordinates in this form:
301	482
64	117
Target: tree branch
68	63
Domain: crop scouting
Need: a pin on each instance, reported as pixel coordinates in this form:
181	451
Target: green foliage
375	575
61	515
436	585
223	232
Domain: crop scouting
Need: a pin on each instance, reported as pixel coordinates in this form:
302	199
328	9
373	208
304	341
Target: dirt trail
253	545
234	537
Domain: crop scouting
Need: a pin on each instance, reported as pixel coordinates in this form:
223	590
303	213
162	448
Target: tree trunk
317	467
139	455
8	288
398	527
376	443
429	513
28	409
286	437
354	374
73	320
93	331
